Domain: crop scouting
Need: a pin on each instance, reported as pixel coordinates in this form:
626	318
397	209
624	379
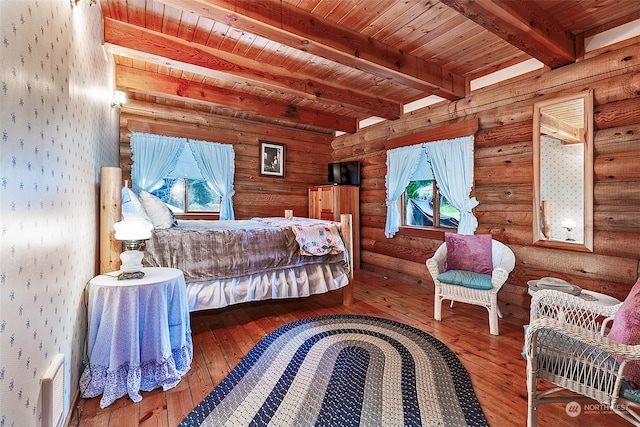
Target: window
199	197
450	164
422	205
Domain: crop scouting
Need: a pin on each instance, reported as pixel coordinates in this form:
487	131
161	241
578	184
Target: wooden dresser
330	201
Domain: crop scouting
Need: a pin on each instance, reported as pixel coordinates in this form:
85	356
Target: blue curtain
154	156
217	164
452	163
401	165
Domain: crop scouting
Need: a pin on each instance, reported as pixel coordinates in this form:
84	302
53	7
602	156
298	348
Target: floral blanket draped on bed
315	237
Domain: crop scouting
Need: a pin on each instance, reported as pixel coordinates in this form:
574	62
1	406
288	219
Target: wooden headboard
110	213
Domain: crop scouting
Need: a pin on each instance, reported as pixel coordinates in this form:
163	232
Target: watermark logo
573	409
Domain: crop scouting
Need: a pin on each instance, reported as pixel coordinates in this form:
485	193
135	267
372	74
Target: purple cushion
626	330
469	252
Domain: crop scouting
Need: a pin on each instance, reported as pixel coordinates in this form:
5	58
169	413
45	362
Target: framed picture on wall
272	159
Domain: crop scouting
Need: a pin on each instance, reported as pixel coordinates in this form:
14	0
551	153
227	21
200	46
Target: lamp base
134	275
131	261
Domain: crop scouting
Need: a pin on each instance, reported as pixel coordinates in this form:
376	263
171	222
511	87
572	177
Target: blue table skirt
139	335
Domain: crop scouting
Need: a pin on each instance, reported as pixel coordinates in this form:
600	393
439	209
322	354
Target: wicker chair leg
493	321
532	401
437	307
532	416
494	312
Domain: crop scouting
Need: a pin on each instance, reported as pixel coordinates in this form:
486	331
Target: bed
231	262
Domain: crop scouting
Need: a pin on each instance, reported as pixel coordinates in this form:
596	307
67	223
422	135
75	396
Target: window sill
214	216
427	233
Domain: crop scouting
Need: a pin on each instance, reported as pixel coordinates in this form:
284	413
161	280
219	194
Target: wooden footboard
346	230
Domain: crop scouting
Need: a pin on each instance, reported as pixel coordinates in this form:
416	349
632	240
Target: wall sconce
119	99
133	231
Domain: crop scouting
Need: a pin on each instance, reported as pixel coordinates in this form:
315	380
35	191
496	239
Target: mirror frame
587	242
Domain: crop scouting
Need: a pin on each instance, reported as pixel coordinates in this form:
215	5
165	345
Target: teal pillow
629	392
468	279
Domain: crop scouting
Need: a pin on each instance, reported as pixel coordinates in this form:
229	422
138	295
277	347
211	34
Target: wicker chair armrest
580	336
580	360
499	277
436	263
570	309
434	268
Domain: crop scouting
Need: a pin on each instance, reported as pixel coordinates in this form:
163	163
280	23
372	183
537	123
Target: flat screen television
346	173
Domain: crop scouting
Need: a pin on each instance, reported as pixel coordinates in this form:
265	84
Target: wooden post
110	213
346	229
546	219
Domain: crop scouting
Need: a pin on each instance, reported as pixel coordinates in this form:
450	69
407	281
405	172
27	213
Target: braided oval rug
344	370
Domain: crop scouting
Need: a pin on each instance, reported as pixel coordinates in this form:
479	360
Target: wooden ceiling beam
523	24
155	84
291	26
550	125
140	43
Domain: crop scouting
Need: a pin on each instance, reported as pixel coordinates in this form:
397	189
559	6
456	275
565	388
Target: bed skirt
296	282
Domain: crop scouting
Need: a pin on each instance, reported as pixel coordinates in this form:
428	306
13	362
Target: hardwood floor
222	337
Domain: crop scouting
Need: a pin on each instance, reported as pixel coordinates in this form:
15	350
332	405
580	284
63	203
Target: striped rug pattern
343	370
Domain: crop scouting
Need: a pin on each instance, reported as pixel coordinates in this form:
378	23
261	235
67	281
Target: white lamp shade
119	97
133	228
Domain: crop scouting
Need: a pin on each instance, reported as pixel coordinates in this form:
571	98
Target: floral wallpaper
562	185
58	128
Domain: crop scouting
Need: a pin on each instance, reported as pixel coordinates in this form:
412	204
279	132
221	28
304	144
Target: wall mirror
563	172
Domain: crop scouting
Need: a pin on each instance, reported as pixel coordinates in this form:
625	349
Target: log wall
306	157
503	173
504	179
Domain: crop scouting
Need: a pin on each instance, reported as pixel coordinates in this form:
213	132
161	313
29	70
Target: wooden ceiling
323	65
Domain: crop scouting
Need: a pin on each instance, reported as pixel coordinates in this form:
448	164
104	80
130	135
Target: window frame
187	214
198	215
458	129
402	208
193	214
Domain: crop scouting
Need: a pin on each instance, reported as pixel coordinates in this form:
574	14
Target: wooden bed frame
111	212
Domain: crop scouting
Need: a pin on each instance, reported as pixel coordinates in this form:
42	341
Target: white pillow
156	209
131	204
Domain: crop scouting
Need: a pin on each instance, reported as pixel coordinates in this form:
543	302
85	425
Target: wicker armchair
503	263
566	344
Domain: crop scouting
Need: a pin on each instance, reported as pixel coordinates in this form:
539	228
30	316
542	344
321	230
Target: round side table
139	335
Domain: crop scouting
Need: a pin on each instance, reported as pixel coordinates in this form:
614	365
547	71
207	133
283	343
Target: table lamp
133	230
569	225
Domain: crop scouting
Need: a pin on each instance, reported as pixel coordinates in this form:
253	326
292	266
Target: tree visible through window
197	198
422	205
